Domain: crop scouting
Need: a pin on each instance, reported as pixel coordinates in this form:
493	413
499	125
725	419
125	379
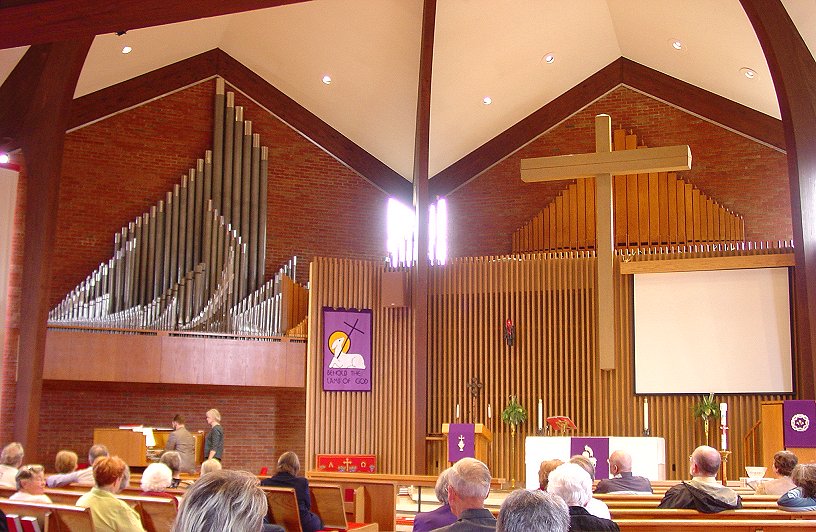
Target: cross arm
640	161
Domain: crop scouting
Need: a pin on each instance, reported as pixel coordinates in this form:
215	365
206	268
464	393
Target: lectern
482	440
773	435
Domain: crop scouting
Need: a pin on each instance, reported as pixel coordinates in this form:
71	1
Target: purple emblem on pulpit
597	450
461	441
800	423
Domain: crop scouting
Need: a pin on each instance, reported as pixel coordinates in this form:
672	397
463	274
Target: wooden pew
327	502
52	517
283	508
764	514
702	525
157	514
653	504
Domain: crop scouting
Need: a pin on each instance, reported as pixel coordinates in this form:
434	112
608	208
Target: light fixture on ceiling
327	79
677	44
549	58
4	158
126	49
749	73
487	100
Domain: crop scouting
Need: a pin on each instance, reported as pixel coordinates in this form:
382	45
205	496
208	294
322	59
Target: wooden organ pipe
246	187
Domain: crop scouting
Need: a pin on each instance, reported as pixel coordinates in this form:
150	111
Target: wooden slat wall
379	422
649	210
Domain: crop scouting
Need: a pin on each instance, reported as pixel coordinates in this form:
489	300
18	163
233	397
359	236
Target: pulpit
773	435
482	439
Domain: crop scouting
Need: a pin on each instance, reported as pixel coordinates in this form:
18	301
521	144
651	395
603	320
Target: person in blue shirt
802	498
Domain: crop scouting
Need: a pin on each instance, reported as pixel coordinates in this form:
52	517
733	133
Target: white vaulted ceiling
370	48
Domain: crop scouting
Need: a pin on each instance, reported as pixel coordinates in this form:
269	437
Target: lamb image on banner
347	344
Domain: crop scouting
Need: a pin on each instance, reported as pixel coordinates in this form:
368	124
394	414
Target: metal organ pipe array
195	260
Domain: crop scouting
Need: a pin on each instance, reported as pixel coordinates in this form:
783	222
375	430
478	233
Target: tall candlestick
457	410
724	426
540	414
723	412
646	413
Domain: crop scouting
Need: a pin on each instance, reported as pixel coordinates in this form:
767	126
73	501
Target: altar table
648	455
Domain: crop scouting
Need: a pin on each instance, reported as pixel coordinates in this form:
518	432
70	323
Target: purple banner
596	449
800	423
461	441
346	350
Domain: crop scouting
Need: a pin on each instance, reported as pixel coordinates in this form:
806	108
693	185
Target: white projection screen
726	331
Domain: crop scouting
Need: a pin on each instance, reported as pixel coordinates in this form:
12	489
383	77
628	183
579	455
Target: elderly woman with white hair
11	458
155	481
573	484
442	516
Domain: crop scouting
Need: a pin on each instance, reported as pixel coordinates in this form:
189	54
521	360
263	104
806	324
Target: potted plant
514	414
706	408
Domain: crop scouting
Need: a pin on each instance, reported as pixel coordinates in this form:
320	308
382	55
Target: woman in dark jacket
286	477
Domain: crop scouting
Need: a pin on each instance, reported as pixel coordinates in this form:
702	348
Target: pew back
702	525
51	517
745	513
157	514
283	507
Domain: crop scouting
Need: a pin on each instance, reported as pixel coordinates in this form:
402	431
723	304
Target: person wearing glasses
31	485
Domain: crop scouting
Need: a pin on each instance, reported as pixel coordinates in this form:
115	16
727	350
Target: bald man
623	481
703	492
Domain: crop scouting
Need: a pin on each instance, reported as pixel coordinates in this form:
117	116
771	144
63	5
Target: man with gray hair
703	492
572	483
533	511
442	516
11	458
468	486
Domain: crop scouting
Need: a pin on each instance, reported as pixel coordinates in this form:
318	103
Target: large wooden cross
603	164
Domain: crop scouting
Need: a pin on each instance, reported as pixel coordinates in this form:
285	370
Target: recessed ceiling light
549	58
749	73
4	158
487	100
677	44
127	50
327	79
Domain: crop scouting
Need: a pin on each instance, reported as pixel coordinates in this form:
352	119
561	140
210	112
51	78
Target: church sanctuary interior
354	227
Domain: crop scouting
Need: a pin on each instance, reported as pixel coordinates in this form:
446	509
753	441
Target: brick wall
743	175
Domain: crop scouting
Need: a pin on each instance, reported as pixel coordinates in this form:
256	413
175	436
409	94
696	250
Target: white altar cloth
648	455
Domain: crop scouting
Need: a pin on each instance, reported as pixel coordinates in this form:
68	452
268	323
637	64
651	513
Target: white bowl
755	471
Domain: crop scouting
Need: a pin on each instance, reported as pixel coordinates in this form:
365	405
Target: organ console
195	260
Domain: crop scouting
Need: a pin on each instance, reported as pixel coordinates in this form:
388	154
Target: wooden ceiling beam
26	23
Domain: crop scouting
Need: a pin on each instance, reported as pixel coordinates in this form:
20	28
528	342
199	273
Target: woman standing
214	443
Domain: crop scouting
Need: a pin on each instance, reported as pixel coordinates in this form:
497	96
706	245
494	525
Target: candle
540	414
723	412
724	441
724	425
489	411
646	413
457	410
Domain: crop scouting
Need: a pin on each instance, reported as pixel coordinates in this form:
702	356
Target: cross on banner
603	164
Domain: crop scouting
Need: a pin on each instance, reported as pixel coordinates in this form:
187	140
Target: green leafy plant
705	409
514	414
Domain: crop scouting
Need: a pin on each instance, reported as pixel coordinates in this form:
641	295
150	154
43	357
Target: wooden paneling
186	359
381	422
649	210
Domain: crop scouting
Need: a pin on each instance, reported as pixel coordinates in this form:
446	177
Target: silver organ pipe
196	259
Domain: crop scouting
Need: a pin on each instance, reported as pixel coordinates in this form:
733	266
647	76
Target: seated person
286	477
222	500
108	512
468	487
155	481
66	462
802	498
208	466
172	459
703	492
595	507
442	516
31	485
573	484
544	470
784	462
533	511
620	465
11	458
83	477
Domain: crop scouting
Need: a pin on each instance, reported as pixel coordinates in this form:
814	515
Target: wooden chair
283	508
327	502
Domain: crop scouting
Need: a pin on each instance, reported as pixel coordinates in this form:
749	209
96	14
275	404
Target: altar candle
489	411
540	414
723	412
646	413
457	410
